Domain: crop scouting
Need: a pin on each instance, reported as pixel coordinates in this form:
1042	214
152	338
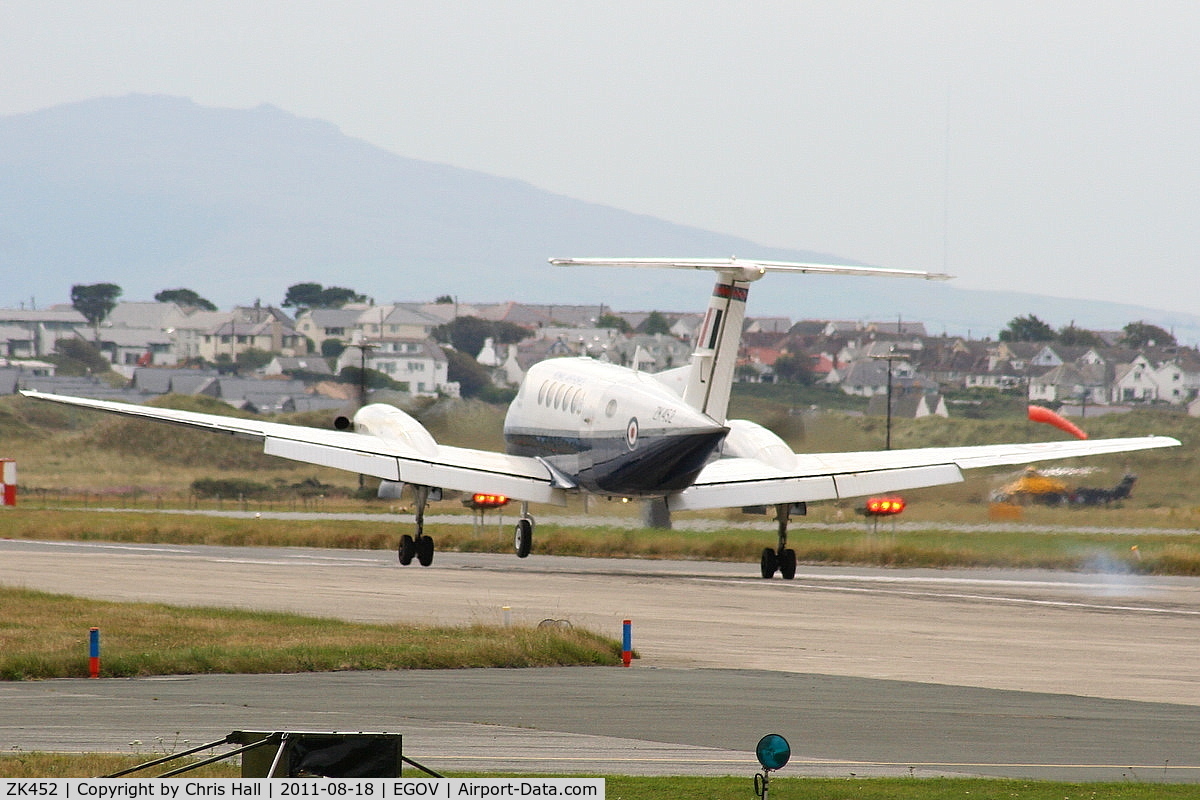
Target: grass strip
621	787
46	636
1037	545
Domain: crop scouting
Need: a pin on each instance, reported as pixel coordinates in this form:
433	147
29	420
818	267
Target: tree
338	296
613	321
373	378
468	333
794	368
95	301
302	295
332	348
252	358
444	300
1143	334
463	368
655	323
312	295
184	297
77	357
1073	336
1027	329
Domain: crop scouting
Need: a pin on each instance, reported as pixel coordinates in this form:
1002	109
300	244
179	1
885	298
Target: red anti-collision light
481	500
884	506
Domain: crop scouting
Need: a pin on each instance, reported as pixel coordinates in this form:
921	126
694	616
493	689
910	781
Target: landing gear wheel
407	549
425	551
770	563
787	564
523	537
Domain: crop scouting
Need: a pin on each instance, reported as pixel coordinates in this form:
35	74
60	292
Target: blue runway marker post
94	653
627	642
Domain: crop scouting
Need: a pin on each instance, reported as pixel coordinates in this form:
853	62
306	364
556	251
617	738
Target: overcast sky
1049	147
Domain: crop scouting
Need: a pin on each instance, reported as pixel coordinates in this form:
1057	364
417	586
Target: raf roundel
631	433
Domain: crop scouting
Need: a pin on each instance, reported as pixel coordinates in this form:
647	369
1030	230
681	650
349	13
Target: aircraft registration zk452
579	425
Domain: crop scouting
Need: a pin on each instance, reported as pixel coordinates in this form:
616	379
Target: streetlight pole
889	356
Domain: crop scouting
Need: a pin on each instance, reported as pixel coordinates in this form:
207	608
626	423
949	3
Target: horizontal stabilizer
748	269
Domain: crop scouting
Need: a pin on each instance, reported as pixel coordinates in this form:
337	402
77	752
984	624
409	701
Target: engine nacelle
392	425
750	440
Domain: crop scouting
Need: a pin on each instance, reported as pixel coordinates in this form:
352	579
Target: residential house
420	363
533	316
395	321
14	373
775	325
86	386
898	329
18	341
1070	383
260	328
658	351
685	326
129	348
32	333
158	381
321	324
1136	381
188	335
531	351
256	396
869	376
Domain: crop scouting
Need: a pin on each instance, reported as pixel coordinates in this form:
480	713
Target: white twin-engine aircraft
579	425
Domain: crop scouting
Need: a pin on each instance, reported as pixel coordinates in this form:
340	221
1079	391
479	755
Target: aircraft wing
733	482
455	468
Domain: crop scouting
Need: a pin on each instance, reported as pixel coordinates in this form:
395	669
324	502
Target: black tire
787	564
523	537
425	551
769	563
406	550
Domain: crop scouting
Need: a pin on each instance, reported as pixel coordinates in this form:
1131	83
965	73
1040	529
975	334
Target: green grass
46	636
783	788
1045	539
620	787
17	764
66	460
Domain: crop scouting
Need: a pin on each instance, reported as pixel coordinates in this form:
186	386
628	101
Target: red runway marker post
8	482
94	653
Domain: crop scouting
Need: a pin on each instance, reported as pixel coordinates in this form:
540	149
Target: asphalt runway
1032	674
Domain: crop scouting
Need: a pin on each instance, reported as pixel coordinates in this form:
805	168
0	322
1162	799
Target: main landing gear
523	535
419	546
783	558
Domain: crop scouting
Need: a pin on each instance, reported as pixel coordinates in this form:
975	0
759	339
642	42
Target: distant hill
154	192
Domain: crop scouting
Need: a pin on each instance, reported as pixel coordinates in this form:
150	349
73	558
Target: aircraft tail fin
710	379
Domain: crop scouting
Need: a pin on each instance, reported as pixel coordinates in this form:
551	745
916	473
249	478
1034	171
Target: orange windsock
1039	414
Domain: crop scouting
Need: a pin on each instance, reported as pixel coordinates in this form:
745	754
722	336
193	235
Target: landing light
480	500
883	506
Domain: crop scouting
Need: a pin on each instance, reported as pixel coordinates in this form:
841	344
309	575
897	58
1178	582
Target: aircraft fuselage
610	429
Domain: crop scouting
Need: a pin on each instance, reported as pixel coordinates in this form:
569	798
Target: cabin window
558	395
542	393
611	408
